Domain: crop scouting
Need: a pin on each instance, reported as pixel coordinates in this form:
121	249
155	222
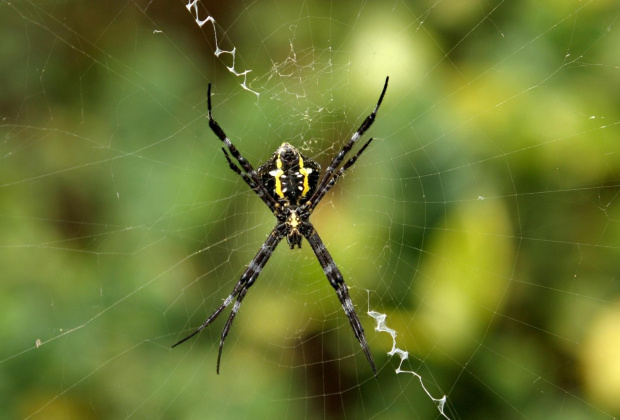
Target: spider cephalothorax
289	185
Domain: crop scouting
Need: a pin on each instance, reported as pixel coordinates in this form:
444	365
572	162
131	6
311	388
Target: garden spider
289	185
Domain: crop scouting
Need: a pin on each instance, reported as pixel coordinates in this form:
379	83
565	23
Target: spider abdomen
290	177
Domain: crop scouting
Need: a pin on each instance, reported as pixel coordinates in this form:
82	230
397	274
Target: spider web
479	233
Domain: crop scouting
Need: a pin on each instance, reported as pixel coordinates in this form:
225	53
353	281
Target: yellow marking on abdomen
277	174
305	172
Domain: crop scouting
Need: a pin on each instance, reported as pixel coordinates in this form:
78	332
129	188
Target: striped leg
347	147
241	288
249	175
335	279
256	188
338	174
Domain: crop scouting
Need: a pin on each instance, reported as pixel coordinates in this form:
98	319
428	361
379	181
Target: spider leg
347	147
338	174
247	279
336	280
243	175
256	188
248	170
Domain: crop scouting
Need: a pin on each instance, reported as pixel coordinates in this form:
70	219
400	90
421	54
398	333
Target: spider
289	185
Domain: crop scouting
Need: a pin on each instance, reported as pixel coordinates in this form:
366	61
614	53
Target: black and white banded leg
341	171
247	279
327	176
337	281
249	175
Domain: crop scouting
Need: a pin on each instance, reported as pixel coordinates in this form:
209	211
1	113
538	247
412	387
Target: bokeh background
484	220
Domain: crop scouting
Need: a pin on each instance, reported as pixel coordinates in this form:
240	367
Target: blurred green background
484	220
